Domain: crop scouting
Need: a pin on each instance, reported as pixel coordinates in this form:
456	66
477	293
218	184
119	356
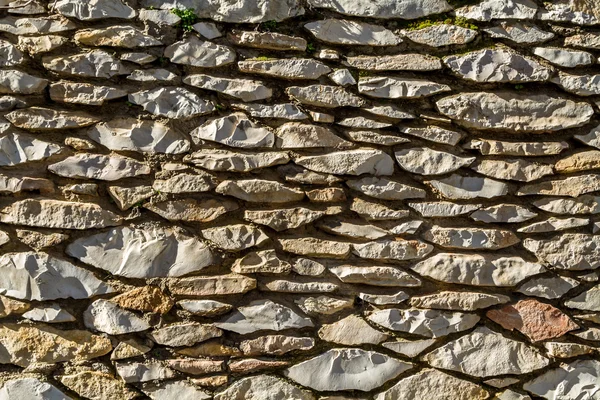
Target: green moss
188	18
519	87
441	20
269	26
363	73
261	58
310	48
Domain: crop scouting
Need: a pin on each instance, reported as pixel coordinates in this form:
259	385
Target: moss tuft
188	18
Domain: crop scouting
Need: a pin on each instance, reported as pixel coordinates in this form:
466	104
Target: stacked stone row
299	199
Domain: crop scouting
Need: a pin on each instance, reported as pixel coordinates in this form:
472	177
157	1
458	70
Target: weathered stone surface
205	308
94	9
36	26
93	64
499	9
399	62
260	191
143	372
84	93
592	138
195	367
31	389
43	119
477	270
324	96
296	135
355	369
581	85
569	381
554	224
211	285
350	162
186	334
538	321
375	276
376	211
17	82
503	213
276	345
441	35
99	166
128	349
235	130
582	161
388	87
426	161
385	189
435	134
569	251
262	315
127	197
519	32
484	353
287	111
19	149
443	208
339	31
513	169
567	350
235	237
267	40
53	313
263	387
430	384
116	36
225	160
289	286
393	249
322	305
283	219
563	57
204	210
314	247
458	187
195	52
58	214
93	385
347	229
383	9
287	68
174	390
143	136
172	102
568	10
586	204
351	331
428	323
548	288
106	316
588	300
243	89
461	301
262	262
185	183
519	113
144	298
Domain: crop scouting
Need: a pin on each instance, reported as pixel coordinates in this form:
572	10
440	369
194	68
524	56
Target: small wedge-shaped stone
45	213
286	68
477	270
375	276
92	385
260	191
573	186
516	170
18	149
31	389
195	52
234	130
235	237
39	276
409	348
351	331
458	187
350	162
426	161
433	384
235	161
538	321
385	189
186	334
283	219
355	369
384	9
99	166
89	10
460	301
46	119
243	89
434	134
36	26
346	32
41	44
211	285
105	316
583	161
497	147
388	87
263	387
267	40
503	213
296	135
313	247
17	82
127	197
483	353
489	10
116	36
428	323
261	315
587	301
261	262
553	287
393	249
143	252
84	93
581	85
93	64
204	210
172	102
570	251
471	238
441	35
497	65
510	111
577	380
398	62
24	345
324	96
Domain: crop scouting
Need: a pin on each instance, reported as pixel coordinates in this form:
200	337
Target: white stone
172	102
548	288
460	301
184	334
265	387
393	249
29	388
458	187
93	64
342	77
385	9
488	10
503	213
18	149
388	87
286	68
519	32
287	111
105	316
564	57
89	10
261	315
52	313
235	130
243	89
46	119
346	32
443	208
554	224
235	237
195	52
385	189
236	161
122	36
577	380
99	166
375	276
324	96
571	11
260	191
36	26
569	251
181	390
426	161
84	93
441	35
350	162
143	372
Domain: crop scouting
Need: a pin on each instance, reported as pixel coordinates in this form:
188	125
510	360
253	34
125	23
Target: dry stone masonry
299	199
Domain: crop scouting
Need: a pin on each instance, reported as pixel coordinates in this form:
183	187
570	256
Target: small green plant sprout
188	18
269	26
519	87
261	58
220	107
362	73
129	104
310	48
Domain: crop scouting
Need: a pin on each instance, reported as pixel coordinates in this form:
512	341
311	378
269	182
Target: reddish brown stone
249	365
536	320
210	349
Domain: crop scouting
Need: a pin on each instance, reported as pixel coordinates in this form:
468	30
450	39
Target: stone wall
299	199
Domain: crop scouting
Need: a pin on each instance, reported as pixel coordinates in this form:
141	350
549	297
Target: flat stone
243	89
260	191
185	183
572	11
174	390
261	262
205	308
287	111
234	130
93	385
443	209
37	240
289	286
385	189
18	149
441	35
346	32
144	298
138	57
460	301
347	229
11	56
477	270
128	349
205	210
17	82
143	136
519	113
567	350
385	9
211	285
324	96
31	389
363	123
36	26
393	249
583	161
186	334
263	387
287	68
458	187
586	204
351	331
375	137
497	65
261	315
10	306
435	134
587	301
497	147
433	384
428	323
93	64
426	161
308	267
563	57
267	40
153	75
210	349
356	369
172	102
572	186
503	213
398	62
350	162
53	313
235	237
569	251
592	334
581	85
94	9
116	36
592	138
46	119
283	219
489	10
589	40
144	371
225	160
276	345
195	367
342	77
483	353
513	169
388	87
409	348
519	32
106	316
84	93
51	345
197	53
553	224
323	305
569	381
159	17
375	211
548	288
296	135
389	111
99	166
309	246
127	197
58	214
